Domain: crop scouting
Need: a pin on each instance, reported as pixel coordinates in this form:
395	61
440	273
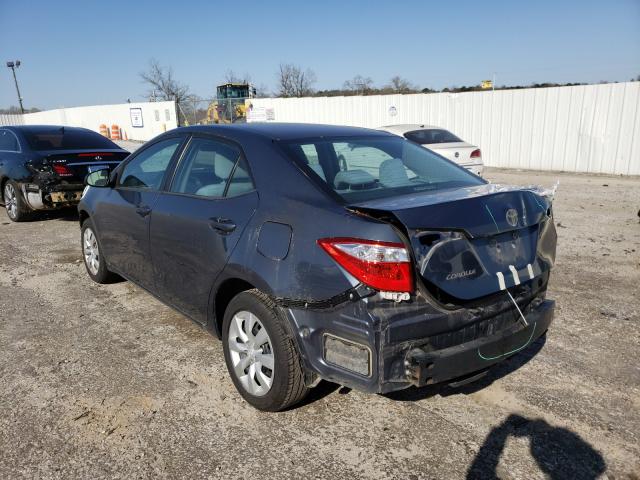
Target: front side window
207	167
8	142
368	168
146	170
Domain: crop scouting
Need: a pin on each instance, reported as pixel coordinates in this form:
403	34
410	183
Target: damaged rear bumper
55	196
407	344
424	366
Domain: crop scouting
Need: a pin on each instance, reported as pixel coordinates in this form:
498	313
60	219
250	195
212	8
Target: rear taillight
384	266
476	153
62	170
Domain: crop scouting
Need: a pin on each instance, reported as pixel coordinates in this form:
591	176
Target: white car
442	142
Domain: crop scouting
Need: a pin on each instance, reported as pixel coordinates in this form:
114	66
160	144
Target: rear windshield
432	135
66	139
368	168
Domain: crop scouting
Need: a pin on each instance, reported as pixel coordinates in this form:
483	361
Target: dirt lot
106	382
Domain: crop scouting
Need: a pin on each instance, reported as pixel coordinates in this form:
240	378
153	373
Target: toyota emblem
512	217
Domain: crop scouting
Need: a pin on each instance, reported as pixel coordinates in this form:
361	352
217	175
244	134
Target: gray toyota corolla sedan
324	252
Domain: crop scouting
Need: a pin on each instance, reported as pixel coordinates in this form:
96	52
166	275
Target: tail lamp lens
384	266
62	170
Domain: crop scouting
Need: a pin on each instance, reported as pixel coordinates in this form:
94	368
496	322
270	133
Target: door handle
222	225
143	210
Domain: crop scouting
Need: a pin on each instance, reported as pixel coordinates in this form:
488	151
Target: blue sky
87	52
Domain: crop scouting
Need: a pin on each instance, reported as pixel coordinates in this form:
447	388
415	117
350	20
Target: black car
43	167
388	268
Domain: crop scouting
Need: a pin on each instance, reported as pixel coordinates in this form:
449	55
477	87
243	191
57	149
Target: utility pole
13	66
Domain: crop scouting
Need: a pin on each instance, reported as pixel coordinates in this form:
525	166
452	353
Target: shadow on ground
67	214
559	452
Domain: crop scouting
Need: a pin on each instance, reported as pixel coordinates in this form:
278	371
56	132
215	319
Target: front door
196	223
123	217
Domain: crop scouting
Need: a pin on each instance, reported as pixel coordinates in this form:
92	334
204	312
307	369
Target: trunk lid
74	165
472	242
459	152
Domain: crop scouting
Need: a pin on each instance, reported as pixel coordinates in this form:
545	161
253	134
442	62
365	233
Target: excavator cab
229	105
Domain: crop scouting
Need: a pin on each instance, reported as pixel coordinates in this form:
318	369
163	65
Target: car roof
408	127
284	131
44	128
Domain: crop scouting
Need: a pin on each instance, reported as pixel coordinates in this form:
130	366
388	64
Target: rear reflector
476	153
381	265
348	355
62	170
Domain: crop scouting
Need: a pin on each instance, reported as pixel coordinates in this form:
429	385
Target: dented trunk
473	242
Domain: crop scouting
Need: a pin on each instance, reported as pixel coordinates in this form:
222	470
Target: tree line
296	81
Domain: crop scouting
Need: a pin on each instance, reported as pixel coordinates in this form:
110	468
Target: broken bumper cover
58	196
424	367
399	354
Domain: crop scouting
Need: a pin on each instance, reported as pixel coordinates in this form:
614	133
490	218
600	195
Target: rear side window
431	136
67	139
8	142
146	170
208	166
368	168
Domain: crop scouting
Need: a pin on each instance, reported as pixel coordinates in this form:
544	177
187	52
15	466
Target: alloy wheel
251	353
11	200
91	251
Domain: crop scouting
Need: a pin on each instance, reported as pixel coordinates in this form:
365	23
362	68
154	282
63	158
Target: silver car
442	142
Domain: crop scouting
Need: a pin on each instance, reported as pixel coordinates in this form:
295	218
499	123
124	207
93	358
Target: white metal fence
10	119
589	128
131	121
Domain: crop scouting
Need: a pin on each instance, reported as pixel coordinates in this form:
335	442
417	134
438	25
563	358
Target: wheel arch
222	296
3	181
82	216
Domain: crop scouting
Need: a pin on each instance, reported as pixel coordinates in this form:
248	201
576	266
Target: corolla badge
462	274
512	217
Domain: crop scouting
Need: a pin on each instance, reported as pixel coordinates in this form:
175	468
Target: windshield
233	91
431	136
65	139
369	168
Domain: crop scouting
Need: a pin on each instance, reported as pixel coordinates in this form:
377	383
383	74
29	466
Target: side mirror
99	178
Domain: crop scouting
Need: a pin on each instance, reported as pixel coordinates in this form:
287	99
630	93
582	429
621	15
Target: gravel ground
106	382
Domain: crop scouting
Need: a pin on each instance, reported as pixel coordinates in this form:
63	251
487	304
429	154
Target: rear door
197	222
123	214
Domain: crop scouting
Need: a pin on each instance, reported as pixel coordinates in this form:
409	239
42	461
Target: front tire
14	203
260	354
94	261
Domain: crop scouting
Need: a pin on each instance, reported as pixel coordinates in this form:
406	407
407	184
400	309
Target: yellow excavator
229	105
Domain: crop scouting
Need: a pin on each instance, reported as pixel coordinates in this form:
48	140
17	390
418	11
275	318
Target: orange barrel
104	131
115	132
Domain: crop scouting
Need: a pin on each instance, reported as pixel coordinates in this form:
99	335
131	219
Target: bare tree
163	85
359	84
294	82
401	85
232	77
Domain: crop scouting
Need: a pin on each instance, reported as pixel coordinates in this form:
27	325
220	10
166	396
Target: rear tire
94	261
250	350
14	203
